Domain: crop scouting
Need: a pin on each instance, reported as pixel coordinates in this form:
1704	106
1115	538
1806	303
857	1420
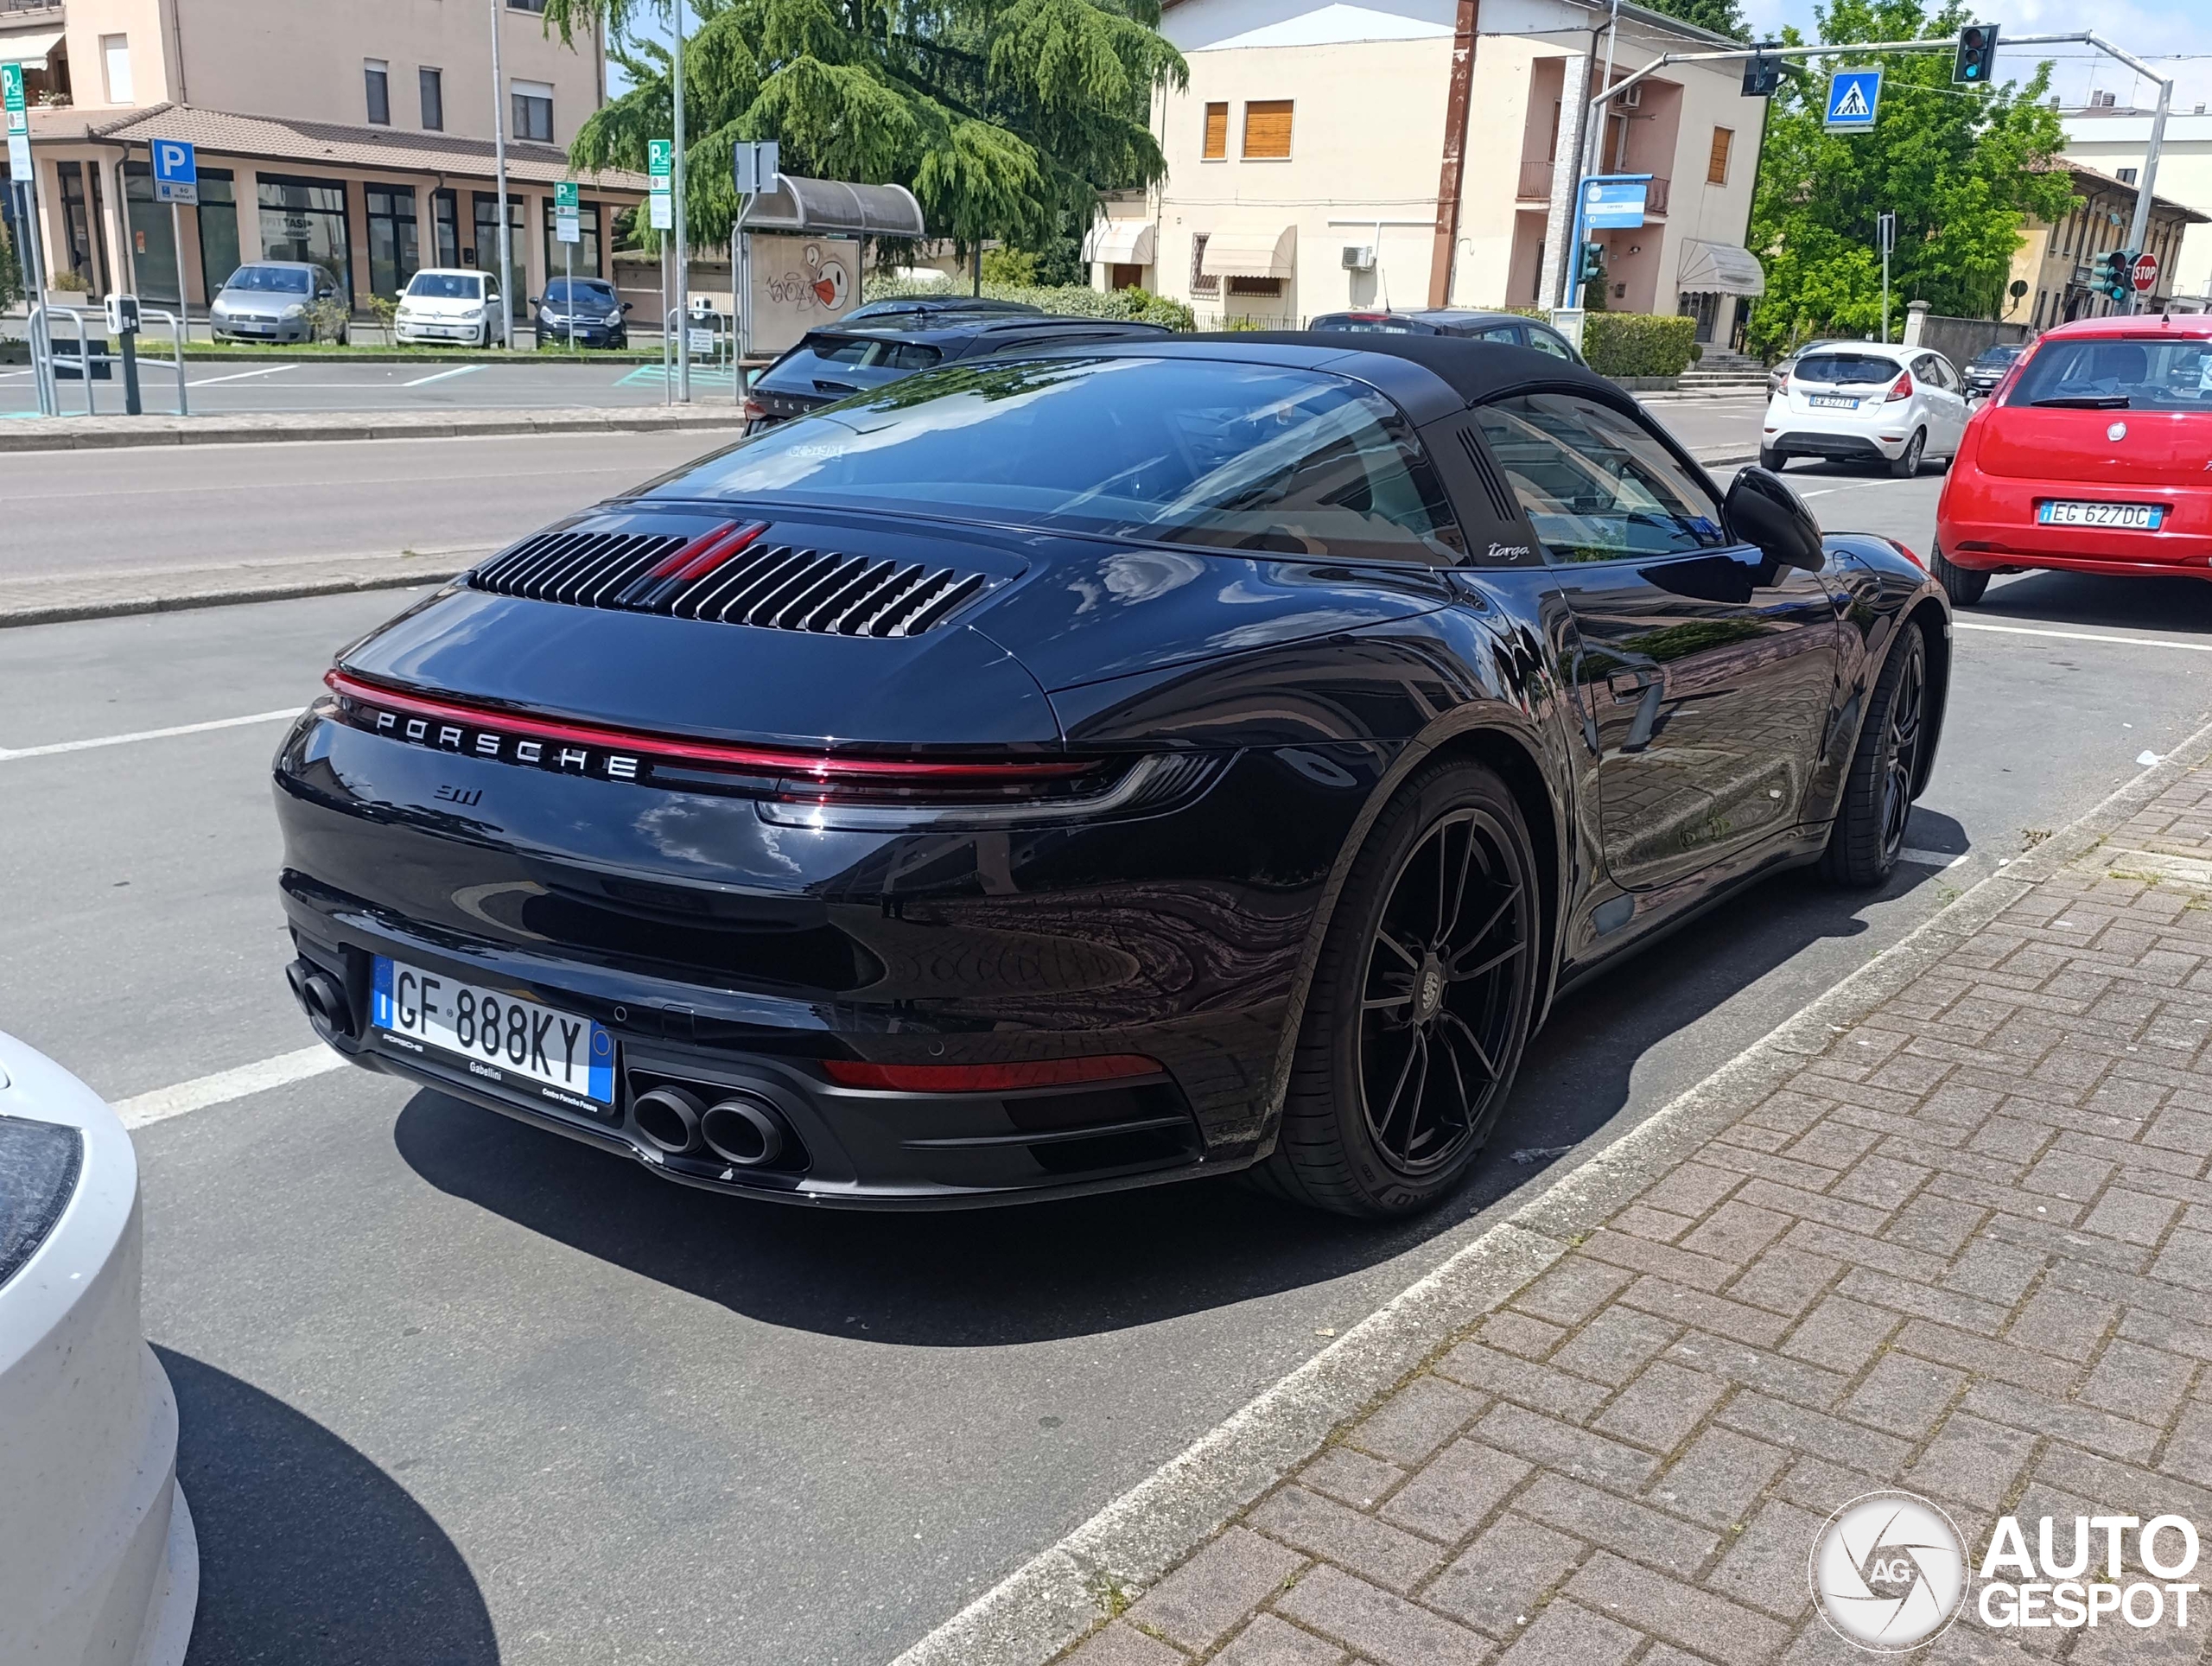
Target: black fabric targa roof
1473	370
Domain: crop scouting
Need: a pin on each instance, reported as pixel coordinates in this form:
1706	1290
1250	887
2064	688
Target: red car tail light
1906	550
989	1078
752	411
1903	390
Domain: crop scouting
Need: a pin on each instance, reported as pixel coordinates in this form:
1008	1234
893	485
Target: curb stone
61	612
1072	1588
110	432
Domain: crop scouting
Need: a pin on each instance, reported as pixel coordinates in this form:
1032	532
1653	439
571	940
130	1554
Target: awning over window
1718	268
1119	242
29	48
1251	249
803	204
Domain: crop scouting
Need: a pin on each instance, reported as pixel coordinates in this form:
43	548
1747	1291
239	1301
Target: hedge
1074	299
1637	344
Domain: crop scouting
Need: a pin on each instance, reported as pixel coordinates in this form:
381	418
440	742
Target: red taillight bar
989	1078
708	552
758	760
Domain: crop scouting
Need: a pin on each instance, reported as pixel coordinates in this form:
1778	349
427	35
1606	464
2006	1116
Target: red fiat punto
2093	455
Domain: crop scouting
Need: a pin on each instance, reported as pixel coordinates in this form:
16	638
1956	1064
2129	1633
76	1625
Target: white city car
1860	401
452	305
98	1559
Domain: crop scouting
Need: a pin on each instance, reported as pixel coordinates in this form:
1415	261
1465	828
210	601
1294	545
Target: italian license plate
1831	402
507	1041
2125	517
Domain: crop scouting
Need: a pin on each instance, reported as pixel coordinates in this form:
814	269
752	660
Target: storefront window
86	253
218	228
153	245
305	220
393	254
445	219
584	251
517	281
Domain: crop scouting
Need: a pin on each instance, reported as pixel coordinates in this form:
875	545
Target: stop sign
2144	273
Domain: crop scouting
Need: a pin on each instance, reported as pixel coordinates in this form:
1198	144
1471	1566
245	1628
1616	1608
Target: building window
378	76
526	5
584	251
1266	130
433	83
2128	176
394	253
533	102
1271	287
485	212
218	215
1217	144
115	60
79	222
305	220
445	228
1716	163
1201	282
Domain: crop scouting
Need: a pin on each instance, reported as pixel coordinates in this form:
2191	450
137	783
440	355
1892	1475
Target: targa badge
1889	1571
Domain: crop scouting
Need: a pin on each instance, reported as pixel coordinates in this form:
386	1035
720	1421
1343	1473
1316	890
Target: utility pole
500	168
683	232
1886	233
2140	228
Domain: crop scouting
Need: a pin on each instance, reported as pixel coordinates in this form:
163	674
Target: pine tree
1007	119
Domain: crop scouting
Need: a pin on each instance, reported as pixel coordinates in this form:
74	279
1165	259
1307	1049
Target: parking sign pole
682	234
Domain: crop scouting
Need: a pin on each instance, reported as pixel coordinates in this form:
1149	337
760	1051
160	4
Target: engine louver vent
730	576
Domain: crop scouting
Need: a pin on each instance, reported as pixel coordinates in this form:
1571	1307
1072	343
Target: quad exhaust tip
742	1130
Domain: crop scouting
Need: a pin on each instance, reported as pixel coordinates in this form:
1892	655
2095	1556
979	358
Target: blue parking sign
176	171
1853	96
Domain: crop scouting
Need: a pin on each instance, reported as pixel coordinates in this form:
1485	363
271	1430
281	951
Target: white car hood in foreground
101	1563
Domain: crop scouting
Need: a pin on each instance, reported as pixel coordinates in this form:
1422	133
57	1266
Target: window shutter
1716	167
1266	130
1217	145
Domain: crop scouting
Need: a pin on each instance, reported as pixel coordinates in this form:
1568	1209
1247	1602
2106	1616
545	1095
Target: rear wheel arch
1927	617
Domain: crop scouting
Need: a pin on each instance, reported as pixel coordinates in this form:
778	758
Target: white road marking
2082	636
241	376
55	748
440	376
1938	860
227	1085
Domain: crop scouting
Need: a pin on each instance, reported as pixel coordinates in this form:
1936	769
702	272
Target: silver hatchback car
268	300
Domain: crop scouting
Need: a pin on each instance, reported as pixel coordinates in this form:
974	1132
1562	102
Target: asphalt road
214	386
456	1391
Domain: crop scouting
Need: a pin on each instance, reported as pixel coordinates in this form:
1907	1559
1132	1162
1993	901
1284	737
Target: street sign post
660	164
1886	233
177	179
19	122
2144	274
567	234
1854	97
1603	201
753	166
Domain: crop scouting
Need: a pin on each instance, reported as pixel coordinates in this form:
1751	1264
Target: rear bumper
1987	524
1842	448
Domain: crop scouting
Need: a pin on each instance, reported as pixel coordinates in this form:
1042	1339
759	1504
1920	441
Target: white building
2114	141
1309	167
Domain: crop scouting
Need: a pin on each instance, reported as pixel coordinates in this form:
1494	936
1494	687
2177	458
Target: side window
1509	333
1545	341
1595	483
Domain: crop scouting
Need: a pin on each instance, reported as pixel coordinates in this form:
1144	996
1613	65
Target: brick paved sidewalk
1964	1249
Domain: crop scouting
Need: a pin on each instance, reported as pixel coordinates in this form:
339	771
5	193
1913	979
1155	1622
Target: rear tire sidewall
1772	461
1964	586
1376	1187
1907	467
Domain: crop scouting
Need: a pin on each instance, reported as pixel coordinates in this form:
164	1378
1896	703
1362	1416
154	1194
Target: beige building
1309	171
2056	264
2113	142
358	137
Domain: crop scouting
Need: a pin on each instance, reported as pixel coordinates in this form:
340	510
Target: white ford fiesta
1860	401
98	1559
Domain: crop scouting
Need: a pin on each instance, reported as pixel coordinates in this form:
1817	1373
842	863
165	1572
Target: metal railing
86	362
1536	181
1655	195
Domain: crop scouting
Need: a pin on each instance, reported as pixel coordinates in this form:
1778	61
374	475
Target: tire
1772	461
1907	466
1869	828
1963	585
1384	963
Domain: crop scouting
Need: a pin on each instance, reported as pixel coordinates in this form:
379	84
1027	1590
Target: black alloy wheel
1420	1004
1869	829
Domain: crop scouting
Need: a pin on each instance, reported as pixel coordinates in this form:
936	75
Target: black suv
843	359
1509	327
583	309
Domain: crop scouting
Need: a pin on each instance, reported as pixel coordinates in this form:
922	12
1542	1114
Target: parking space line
440	376
55	748
241	376
227	1085
2082	636
1938	860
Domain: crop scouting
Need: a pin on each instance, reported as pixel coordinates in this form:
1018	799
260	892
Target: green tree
1961	168
1721	17
1007	119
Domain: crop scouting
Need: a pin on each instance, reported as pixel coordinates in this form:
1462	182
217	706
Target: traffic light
1593	275
1761	75
1977	60
2114	274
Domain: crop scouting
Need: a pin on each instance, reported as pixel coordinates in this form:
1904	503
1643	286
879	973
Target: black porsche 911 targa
1056	775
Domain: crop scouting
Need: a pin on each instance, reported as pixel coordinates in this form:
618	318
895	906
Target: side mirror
529	300
627	306
1761	510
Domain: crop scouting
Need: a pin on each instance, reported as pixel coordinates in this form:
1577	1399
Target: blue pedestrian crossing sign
1853	96
176	171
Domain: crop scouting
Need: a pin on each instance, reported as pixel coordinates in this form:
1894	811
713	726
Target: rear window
1246	457
445	286
1854	368
268	280
839	364
2160	374
1373	324
1991	358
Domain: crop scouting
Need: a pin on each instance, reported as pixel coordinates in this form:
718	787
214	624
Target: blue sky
2176	33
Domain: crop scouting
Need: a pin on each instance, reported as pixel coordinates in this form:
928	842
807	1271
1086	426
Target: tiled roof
268	137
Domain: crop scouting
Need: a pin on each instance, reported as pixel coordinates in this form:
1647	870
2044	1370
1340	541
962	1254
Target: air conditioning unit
1630	98
1359	256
